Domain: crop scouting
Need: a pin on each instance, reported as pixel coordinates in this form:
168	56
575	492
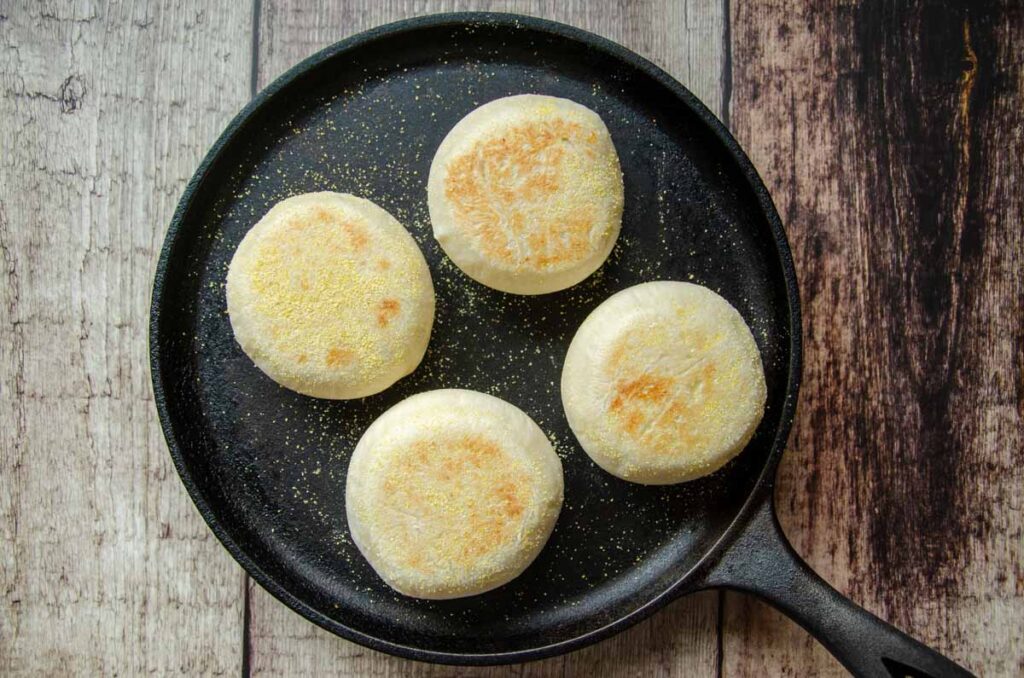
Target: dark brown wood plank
686	39
106	567
890	135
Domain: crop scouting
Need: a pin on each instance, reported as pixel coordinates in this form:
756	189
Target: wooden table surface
890	135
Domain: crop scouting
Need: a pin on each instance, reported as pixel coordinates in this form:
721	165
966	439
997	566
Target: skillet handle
762	562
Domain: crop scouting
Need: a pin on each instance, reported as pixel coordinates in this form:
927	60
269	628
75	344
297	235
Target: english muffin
330	296
663	383
452	493
525	194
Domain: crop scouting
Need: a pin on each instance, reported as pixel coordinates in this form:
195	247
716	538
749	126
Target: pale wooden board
891	142
686	39
106	568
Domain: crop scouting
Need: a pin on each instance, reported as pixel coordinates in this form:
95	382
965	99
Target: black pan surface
266	466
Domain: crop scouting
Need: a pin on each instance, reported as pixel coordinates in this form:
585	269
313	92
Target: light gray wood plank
106	567
685	38
678	641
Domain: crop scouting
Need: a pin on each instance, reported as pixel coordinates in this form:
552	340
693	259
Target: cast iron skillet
266	466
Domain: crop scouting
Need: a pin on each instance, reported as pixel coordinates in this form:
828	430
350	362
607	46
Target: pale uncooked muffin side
330	296
451	493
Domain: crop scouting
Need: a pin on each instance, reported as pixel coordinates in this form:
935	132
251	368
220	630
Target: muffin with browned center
451	493
663	383
525	194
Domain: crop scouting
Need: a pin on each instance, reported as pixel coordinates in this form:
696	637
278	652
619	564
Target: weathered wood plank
105	110
685	39
890	137
897	185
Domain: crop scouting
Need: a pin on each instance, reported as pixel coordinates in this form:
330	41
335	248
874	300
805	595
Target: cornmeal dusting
331	296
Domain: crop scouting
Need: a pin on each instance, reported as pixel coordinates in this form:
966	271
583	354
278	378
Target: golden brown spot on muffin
510	499
317	217
338	356
415	561
321	214
383	264
302	358
572	242
356	235
619	352
644	388
663	411
387	312
469	487
499	190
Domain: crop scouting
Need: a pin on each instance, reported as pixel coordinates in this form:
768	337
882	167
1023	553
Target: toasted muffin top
451	493
663	383
526	195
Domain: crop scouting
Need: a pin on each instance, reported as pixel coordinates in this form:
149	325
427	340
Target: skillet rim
759	495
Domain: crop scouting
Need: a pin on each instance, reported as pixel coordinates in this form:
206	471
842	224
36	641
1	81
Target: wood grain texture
890	136
105	110
686	39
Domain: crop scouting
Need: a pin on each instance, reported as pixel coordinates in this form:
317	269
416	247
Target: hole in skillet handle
761	561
